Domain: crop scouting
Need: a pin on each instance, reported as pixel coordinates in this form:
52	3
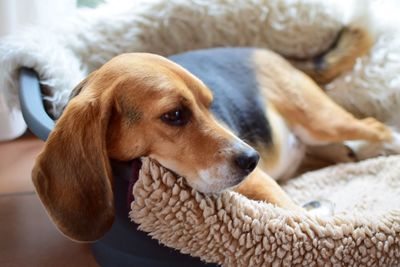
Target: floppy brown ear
77	90
72	175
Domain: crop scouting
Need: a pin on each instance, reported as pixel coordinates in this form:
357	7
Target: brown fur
260	186
353	42
72	175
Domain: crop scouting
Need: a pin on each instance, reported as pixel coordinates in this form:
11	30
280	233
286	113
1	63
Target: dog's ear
77	90
72	175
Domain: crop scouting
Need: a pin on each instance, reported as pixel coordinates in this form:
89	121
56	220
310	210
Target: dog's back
230	74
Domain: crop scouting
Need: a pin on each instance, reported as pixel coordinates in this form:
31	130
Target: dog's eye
176	117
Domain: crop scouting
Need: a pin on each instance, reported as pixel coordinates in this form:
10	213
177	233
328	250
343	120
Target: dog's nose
247	161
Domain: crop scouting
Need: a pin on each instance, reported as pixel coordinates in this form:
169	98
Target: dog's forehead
156	74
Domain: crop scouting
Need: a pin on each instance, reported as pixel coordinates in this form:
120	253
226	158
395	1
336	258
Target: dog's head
135	105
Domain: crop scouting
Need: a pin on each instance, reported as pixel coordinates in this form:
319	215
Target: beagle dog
222	118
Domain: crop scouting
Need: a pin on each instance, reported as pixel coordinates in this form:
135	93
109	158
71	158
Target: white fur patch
215	179
365	150
292	150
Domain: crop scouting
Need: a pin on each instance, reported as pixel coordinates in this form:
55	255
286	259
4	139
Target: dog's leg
352	43
260	186
332	124
332	153
317	119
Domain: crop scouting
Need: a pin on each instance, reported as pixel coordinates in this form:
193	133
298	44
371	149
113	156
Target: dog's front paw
381	131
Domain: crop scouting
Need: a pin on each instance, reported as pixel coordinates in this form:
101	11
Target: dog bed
231	230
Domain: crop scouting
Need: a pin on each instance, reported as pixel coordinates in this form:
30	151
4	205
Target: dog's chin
204	184
215	186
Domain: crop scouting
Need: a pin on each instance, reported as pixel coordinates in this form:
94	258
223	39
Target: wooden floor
27	236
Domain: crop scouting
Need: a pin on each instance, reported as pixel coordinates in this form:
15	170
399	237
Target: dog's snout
247	161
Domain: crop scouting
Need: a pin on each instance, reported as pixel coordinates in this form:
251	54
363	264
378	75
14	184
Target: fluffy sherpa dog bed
231	230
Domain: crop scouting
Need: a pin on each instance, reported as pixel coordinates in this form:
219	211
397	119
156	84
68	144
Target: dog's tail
354	40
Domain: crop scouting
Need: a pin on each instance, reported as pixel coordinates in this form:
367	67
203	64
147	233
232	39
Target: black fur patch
230	75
